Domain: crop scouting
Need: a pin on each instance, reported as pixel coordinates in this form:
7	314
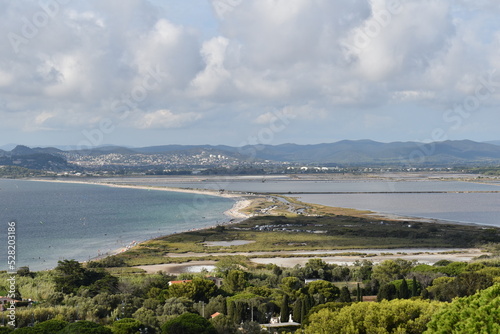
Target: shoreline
233	214
242	200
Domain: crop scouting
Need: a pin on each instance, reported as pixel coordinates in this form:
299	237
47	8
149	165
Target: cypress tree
359	294
231	310
404	292
303	310
297	310
285	309
414	287
345	295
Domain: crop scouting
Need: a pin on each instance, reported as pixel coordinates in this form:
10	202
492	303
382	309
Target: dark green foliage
231	312
297	312
345	295
387	291
236	280
414	287
70	276
26	330
5	330
223	324
85	327
107	262
467	284
188	323
50	326
322	292
285	309
404	292
359	293
25	272
127	326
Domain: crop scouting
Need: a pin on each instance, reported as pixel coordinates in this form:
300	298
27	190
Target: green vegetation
449	297
110	296
280	233
16	172
395	316
475	314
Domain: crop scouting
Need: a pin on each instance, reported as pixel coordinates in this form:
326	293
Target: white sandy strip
429	257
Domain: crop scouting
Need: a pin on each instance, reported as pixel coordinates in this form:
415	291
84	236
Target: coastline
242	201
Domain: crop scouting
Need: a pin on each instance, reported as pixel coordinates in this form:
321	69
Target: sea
56	221
429	198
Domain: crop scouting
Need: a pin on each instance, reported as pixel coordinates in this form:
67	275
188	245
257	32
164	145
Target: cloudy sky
138	73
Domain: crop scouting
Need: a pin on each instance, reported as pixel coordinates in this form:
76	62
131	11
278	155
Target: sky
236	72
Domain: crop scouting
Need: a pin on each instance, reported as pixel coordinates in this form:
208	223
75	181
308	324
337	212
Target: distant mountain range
346	152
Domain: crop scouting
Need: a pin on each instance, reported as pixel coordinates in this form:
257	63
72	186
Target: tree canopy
478	313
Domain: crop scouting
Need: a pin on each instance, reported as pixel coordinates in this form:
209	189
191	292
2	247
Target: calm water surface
477	208
77	221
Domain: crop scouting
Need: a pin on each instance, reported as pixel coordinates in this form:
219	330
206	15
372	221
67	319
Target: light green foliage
177	306
223	324
396	316
390	270
147	317
228	263
474	314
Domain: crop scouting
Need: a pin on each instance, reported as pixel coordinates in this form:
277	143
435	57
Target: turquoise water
58	221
